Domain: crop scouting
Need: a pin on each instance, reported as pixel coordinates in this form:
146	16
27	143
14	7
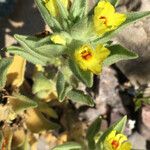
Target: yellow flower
91	59
105	17
51	6
58	39
116	141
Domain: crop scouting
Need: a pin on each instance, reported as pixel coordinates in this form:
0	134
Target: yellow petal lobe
105	18
90	59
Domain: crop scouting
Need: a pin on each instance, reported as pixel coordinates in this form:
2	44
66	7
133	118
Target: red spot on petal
115	144
103	19
86	55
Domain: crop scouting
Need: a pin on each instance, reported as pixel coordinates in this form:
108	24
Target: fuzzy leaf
118	53
41	83
51	21
25	54
68	146
92	131
84	76
50	50
80	97
131	18
21	103
78	9
36	122
63	12
62	87
37	55
44	108
4	65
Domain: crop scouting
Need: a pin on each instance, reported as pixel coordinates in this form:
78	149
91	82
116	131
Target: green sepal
4	65
118	53
79	97
84	76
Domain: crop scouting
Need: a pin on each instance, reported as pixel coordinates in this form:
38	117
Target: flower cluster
105	19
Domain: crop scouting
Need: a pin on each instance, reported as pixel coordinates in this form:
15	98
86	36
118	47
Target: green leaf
118	53
68	146
62	87
4	65
28	46
92	131
80	30
131	18
84	76
118	126
114	2
78	9
20	103
63	12
51	21
80	97
44	108
38	55
50	50
41	83
25	54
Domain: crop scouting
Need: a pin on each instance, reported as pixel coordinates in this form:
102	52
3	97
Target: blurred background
118	83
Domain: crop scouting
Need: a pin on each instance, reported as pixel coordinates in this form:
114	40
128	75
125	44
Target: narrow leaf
80	97
51	21
62	87
63	12
25	54
4	65
92	131
21	103
118	53
68	146
84	76
78	9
